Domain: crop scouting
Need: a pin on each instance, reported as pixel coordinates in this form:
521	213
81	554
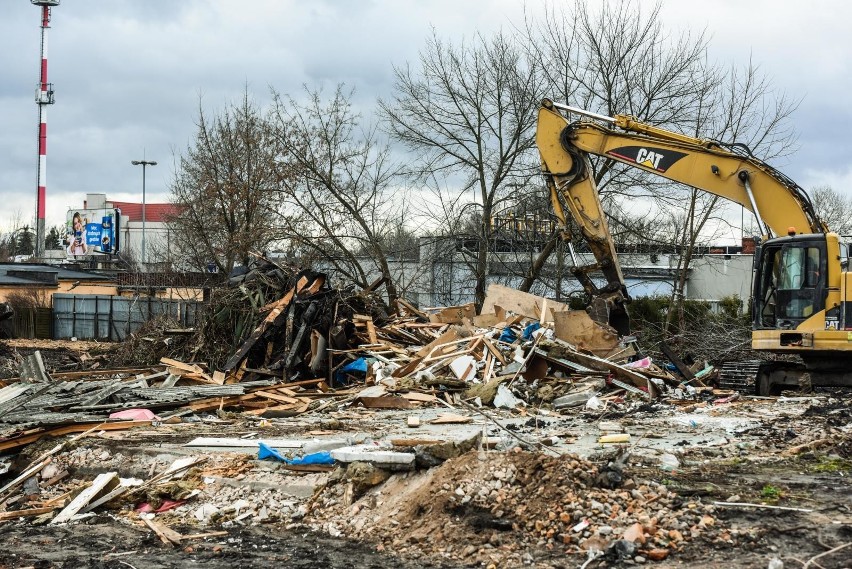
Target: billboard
91	232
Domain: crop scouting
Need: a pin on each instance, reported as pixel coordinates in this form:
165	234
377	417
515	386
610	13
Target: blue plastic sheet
528	331
358	365
508	335
266	451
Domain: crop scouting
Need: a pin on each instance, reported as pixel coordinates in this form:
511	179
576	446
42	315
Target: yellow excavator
801	294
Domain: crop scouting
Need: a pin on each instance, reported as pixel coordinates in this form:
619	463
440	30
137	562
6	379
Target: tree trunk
538	263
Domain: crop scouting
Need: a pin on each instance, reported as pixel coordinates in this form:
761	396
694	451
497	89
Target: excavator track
739	376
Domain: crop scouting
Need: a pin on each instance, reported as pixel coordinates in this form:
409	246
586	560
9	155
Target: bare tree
346	198
467	111
743	112
224	189
834	208
616	58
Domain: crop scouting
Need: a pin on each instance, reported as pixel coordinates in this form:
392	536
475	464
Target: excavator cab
790	282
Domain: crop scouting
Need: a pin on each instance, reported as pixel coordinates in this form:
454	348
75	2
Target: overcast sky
128	75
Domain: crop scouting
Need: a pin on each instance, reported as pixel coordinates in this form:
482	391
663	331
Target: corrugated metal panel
105	317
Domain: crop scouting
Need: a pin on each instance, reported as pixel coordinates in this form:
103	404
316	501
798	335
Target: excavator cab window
790	284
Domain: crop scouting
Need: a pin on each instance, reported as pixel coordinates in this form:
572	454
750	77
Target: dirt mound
499	507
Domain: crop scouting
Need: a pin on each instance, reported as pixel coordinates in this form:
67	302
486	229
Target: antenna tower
43	97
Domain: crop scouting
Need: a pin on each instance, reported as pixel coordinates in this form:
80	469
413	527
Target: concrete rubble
525	435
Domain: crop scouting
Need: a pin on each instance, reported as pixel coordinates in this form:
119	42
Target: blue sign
93	234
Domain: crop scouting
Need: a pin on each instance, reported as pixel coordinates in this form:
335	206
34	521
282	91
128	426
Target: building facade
156	254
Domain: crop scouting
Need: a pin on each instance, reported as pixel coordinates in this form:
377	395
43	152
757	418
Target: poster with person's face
90	231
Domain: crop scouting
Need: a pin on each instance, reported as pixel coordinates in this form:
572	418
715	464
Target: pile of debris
538	348
328	361
42	404
50	493
314	346
501	505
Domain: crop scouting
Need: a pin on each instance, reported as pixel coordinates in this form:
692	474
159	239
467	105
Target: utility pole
144	164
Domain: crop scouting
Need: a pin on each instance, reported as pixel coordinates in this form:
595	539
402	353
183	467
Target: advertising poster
91	232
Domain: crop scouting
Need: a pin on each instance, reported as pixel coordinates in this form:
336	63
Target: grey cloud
129	74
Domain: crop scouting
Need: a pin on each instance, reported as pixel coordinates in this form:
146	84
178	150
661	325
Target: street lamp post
144	164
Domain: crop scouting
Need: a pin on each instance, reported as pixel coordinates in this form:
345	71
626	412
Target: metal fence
106	317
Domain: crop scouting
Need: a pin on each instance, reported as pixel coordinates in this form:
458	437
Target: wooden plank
190	368
199	377
101	482
14	515
494	351
248	401
114	493
450	419
383	402
408	368
56	479
678	363
30	471
19	441
166	534
275	397
578	328
204	535
454	314
275	408
296	383
420	397
631	375
411	308
473	343
276	311
448	337
212	403
54	502
371	332
519	302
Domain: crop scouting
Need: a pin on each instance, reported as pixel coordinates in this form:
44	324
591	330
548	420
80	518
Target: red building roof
155	212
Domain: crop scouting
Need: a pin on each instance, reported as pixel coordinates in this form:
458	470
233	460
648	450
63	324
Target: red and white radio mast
44	97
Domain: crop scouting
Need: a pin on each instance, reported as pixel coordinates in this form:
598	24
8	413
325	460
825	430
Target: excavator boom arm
778	203
702	164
